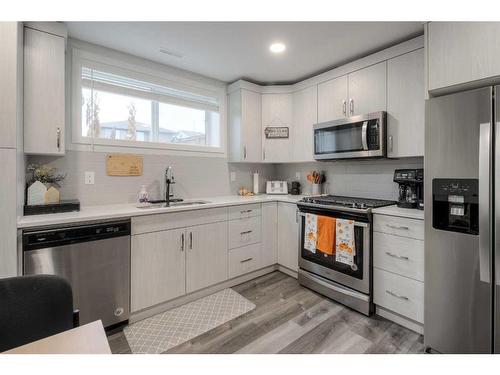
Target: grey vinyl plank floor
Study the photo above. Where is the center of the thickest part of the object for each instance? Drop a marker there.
(289, 318)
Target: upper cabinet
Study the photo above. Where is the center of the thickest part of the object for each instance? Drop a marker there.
(405, 105)
(305, 115)
(367, 90)
(360, 92)
(277, 112)
(44, 94)
(462, 53)
(245, 126)
(332, 99)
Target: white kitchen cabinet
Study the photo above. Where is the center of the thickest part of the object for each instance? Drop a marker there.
(367, 90)
(305, 115)
(406, 105)
(244, 260)
(245, 126)
(462, 52)
(332, 99)
(269, 234)
(44, 94)
(277, 112)
(158, 268)
(288, 227)
(206, 255)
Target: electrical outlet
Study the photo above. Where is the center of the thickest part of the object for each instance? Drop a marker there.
(297, 175)
(89, 178)
(233, 176)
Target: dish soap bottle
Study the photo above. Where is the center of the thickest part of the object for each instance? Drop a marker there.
(143, 200)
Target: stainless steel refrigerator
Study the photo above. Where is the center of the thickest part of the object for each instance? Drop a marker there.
(462, 222)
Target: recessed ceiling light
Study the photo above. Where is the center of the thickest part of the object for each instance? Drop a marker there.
(277, 47)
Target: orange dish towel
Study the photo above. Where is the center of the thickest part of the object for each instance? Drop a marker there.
(326, 234)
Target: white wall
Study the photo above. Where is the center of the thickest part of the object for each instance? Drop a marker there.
(357, 178)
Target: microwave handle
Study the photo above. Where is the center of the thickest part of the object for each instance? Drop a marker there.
(364, 135)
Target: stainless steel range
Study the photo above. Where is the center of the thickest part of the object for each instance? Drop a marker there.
(349, 284)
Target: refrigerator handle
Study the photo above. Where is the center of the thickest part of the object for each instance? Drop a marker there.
(484, 201)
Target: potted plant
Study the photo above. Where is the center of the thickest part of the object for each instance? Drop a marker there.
(42, 182)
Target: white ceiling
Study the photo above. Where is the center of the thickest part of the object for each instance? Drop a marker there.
(232, 50)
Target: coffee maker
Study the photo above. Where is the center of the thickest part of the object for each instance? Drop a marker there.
(411, 188)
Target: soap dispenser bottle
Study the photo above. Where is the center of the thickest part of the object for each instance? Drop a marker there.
(143, 199)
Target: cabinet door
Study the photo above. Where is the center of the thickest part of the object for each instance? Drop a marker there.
(332, 99)
(158, 266)
(43, 93)
(367, 90)
(277, 112)
(269, 234)
(288, 251)
(405, 105)
(462, 52)
(305, 115)
(206, 247)
(251, 125)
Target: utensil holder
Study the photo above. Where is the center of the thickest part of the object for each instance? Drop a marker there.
(316, 189)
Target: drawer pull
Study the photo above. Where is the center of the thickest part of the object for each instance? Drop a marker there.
(397, 226)
(397, 295)
(397, 256)
(246, 260)
(246, 232)
(245, 211)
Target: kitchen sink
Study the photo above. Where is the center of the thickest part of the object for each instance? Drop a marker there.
(176, 204)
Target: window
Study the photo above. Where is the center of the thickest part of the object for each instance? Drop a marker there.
(118, 109)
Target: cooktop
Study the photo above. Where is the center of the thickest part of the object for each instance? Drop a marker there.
(351, 202)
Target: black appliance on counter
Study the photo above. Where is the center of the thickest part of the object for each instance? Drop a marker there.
(411, 188)
(295, 190)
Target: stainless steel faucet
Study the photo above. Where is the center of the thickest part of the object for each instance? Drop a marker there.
(169, 181)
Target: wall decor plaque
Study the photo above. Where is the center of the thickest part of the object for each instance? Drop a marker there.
(124, 165)
(276, 132)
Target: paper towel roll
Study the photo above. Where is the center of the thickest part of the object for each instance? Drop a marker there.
(256, 183)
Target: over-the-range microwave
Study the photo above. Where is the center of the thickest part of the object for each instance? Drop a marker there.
(362, 136)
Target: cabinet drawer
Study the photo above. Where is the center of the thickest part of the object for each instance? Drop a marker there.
(172, 220)
(244, 231)
(401, 255)
(399, 226)
(399, 294)
(243, 211)
(244, 259)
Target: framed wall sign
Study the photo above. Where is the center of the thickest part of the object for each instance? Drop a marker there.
(276, 132)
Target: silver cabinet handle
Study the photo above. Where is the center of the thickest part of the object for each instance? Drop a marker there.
(485, 209)
(344, 107)
(396, 295)
(244, 152)
(397, 256)
(398, 226)
(245, 211)
(58, 132)
(263, 153)
(182, 242)
(190, 240)
(351, 106)
(246, 232)
(391, 144)
(246, 260)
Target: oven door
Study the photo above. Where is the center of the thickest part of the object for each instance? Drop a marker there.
(355, 137)
(356, 276)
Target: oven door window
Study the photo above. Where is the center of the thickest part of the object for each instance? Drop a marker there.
(355, 270)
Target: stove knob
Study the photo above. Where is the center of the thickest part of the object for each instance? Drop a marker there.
(362, 205)
(354, 205)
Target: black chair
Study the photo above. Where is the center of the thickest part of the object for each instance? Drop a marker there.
(34, 307)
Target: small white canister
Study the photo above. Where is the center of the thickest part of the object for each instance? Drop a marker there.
(256, 183)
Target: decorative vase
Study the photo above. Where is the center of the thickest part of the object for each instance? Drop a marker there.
(36, 193)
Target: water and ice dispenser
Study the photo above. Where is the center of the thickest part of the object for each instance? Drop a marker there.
(455, 205)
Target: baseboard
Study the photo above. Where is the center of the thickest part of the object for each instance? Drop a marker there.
(158, 309)
(399, 319)
(287, 271)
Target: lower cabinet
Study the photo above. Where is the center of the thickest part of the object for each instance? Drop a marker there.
(288, 232)
(269, 250)
(206, 255)
(158, 268)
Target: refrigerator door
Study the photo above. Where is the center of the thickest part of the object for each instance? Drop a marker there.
(496, 311)
(458, 304)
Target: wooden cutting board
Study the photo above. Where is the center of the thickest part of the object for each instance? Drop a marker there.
(124, 165)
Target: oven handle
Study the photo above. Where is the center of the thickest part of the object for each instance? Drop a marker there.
(364, 134)
(356, 223)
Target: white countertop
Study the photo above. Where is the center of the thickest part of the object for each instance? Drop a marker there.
(117, 211)
(411, 213)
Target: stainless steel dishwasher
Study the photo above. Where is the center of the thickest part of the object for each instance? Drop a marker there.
(94, 258)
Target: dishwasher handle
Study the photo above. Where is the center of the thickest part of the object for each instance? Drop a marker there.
(53, 237)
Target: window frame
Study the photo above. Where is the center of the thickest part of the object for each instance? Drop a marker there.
(81, 58)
